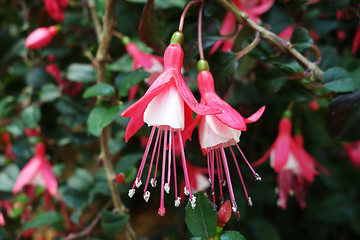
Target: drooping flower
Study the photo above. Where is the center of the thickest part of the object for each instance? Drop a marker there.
(218, 131)
(296, 169)
(353, 152)
(37, 171)
(166, 106)
(150, 63)
(55, 8)
(41, 37)
(5, 137)
(7, 206)
(254, 9)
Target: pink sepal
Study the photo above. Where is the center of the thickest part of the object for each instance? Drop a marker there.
(27, 173)
(49, 177)
(255, 116)
(135, 123)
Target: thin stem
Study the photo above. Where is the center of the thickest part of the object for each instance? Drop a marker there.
(118, 35)
(271, 37)
(182, 18)
(95, 19)
(251, 46)
(87, 230)
(201, 51)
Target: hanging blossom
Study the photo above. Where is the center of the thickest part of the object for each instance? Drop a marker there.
(37, 172)
(219, 131)
(7, 206)
(5, 137)
(353, 152)
(150, 63)
(55, 9)
(254, 9)
(166, 106)
(41, 37)
(295, 167)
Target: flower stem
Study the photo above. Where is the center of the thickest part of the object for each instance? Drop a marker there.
(181, 24)
(251, 46)
(201, 51)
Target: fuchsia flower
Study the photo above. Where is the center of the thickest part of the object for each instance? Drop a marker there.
(5, 137)
(295, 167)
(55, 8)
(37, 171)
(219, 131)
(41, 37)
(167, 106)
(7, 206)
(254, 9)
(353, 152)
(150, 63)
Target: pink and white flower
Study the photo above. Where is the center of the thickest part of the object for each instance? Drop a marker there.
(37, 172)
(41, 37)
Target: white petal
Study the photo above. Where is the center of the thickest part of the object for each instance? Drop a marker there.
(213, 132)
(167, 108)
(291, 163)
(202, 182)
(37, 180)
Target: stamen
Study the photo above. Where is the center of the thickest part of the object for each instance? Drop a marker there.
(234, 206)
(146, 196)
(186, 191)
(167, 188)
(227, 173)
(174, 166)
(162, 208)
(186, 176)
(131, 193)
(177, 201)
(250, 202)
(153, 184)
(193, 201)
(169, 162)
(138, 182)
(257, 176)
(151, 162)
(219, 175)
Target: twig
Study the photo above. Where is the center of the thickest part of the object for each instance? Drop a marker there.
(95, 19)
(251, 46)
(271, 37)
(101, 55)
(87, 230)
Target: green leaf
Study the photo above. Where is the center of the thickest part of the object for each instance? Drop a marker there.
(201, 221)
(232, 235)
(7, 104)
(31, 116)
(125, 81)
(49, 92)
(337, 79)
(149, 30)
(100, 89)
(19, 205)
(81, 180)
(43, 219)
(127, 161)
(100, 8)
(100, 117)
(112, 223)
(263, 229)
(123, 64)
(301, 39)
(80, 72)
(8, 177)
(343, 116)
(38, 77)
(73, 198)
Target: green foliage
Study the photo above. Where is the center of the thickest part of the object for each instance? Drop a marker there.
(43, 219)
(112, 223)
(100, 117)
(100, 89)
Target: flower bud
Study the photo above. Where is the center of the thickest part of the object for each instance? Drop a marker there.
(41, 37)
(120, 178)
(313, 105)
(224, 214)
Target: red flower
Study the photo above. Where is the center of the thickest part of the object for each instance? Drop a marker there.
(8, 209)
(219, 131)
(353, 152)
(41, 37)
(5, 137)
(167, 106)
(295, 167)
(37, 171)
(55, 8)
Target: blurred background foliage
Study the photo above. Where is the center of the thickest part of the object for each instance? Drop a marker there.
(70, 124)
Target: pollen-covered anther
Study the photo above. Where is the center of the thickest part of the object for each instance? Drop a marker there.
(291, 192)
(167, 188)
(146, 196)
(193, 202)
(257, 177)
(186, 191)
(234, 206)
(131, 193)
(138, 182)
(177, 201)
(153, 182)
(223, 183)
(210, 181)
(276, 190)
(250, 202)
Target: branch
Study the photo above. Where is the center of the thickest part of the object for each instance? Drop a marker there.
(95, 19)
(271, 37)
(101, 56)
(87, 230)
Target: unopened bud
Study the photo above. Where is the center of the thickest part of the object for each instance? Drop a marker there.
(224, 214)
(120, 178)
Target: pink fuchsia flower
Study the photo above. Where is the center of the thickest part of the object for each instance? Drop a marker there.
(295, 167)
(7, 206)
(55, 8)
(5, 137)
(37, 171)
(287, 33)
(353, 152)
(219, 131)
(41, 37)
(166, 106)
(254, 9)
(150, 63)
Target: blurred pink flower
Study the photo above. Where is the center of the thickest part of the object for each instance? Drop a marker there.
(41, 37)
(55, 8)
(37, 171)
(353, 152)
(7, 206)
(5, 137)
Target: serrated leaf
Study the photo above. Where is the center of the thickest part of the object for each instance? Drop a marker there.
(232, 235)
(31, 116)
(337, 79)
(125, 81)
(343, 116)
(43, 219)
(301, 39)
(149, 30)
(112, 223)
(201, 221)
(49, 92)
(81, 72)
(100, 117)
(100, 89)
